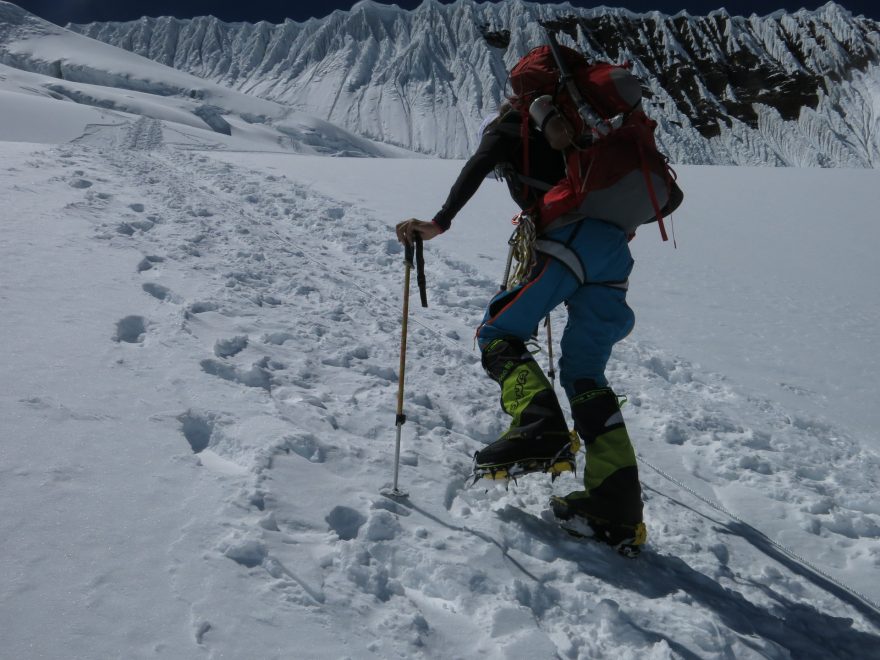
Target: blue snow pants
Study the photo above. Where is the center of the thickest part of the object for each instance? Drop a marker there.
(598, 316)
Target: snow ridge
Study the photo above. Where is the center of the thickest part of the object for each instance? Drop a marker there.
(786, 89)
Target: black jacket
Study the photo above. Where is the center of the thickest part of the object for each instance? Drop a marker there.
(501, 147)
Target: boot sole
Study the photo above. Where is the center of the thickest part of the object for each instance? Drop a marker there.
(629, 547)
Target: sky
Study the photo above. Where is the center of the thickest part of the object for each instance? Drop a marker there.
(84, 11)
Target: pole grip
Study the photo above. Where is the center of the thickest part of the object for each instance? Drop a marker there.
(420, 271)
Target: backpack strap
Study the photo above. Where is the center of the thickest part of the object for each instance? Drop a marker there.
(524, 137)
(537, 184)
(651, 192)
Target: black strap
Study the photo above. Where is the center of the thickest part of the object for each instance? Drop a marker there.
(419, 263)
(420, 271)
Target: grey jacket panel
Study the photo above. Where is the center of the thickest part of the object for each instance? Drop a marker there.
(627, 204)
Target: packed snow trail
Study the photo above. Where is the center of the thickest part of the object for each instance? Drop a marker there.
(270, 313)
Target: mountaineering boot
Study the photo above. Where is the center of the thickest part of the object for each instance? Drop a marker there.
(611, 503)
(538, 437)
(577, 518)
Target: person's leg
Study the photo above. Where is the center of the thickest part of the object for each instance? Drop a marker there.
(538, 430)
(598, 318)
(517, 311)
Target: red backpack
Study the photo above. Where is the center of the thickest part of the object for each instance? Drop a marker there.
(615, 171)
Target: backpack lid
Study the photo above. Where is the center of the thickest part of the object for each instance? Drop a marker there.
(537, 73)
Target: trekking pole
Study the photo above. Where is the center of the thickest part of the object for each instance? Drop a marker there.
(552, 370)
(511, 242)
(395, 491)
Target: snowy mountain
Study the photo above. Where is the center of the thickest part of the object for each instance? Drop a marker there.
(42, 64)
(201, 335)
(798, 89)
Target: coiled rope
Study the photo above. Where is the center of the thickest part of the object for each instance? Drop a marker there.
(522, 245)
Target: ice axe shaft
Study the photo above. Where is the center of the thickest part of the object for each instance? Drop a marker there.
(585, 110)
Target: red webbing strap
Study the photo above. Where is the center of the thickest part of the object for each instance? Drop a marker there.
(670, 175)
(652, 193)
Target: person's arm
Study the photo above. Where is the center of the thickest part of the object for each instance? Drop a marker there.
(491, 151)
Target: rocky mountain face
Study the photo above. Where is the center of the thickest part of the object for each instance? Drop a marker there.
(800, 89)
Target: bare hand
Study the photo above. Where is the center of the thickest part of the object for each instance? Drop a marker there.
(407, 230)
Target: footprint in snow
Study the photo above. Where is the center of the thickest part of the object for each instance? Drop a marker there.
(257, 376)
(131, 329)
(148, 262)
(197, 429)
(346, 522)
(144, 225)
(81, 184)
(307, 447)
(129, 228)
(202, 307)
(224, 348)
(159, 292)
(277, 338)
(202, 629)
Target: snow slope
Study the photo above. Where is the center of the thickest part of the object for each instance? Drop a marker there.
(42, 64)
(198, 390)
(198, 402)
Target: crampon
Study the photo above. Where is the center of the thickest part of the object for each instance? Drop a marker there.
(628, 540)
(563, 461)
